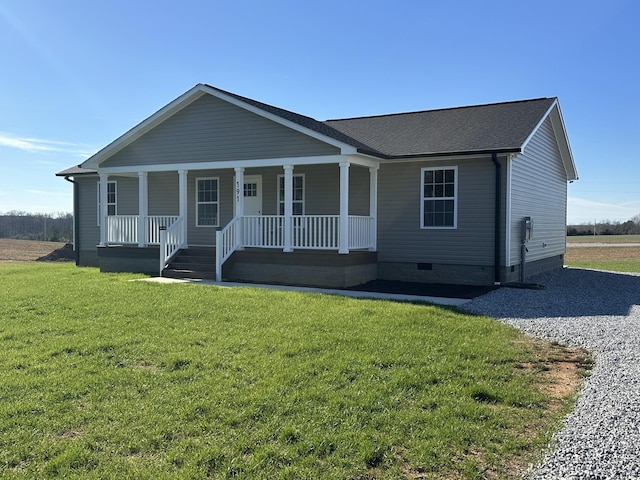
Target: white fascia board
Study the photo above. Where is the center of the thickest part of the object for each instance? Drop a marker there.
(143, 127)
(363, 161)
(257, 163)
(345, 149)
(563, 142)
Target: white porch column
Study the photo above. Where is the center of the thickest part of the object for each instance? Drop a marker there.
(182, 202)
(239, 191)
(288, 207)
(343, 232)
(103, 208)
(143, 208)
(373, 206)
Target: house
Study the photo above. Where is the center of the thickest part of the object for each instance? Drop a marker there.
(216, 184)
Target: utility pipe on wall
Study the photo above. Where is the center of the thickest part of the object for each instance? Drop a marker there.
(496, 240)
(76, 218)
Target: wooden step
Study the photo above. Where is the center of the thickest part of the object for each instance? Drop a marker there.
(197, 263)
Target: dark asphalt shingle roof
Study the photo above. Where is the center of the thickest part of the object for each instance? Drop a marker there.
(498, 126)
(75, 171)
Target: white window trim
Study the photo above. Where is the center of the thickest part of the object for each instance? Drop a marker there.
(454, 198)
(217, 203)
(304, 193)
(115, 204)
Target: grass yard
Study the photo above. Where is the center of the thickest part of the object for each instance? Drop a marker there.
(615, 259)
(101, 377)
(603, 239)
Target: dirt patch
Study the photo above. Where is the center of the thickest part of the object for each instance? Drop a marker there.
(62, 254)
(12, 250)
(561, 371)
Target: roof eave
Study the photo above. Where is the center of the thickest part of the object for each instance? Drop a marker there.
(461, 153)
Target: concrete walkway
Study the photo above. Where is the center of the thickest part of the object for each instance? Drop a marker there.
(455, 302)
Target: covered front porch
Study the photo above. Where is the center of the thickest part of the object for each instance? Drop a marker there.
(295, 222)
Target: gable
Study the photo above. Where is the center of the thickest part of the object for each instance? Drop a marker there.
(210, 130)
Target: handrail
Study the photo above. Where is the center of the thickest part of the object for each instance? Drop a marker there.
(171, 240)
(226, 244)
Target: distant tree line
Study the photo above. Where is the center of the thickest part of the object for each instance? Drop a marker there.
(630, 227)
(56, 227)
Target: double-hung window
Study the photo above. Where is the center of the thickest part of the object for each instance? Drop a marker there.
(439, 193)
(207, 205)
(298, 195)
(112, 200)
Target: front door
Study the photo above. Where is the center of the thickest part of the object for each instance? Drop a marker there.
(253, 195)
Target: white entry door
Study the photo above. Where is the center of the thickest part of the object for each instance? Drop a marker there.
(252, 195)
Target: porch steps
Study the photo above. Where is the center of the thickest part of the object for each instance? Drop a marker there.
(194, 262)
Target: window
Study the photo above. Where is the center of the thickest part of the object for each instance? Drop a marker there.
(439, 188)
(112, 200)
(298, 194)
(250, 189)
(207, 211)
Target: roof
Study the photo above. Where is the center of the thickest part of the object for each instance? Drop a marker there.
(491, 128)
(500, 127)
(75, 171)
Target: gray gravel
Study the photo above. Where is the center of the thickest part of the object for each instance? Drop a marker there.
(599, 311)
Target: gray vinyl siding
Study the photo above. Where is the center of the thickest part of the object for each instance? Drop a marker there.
(126, 195)
(207, 235)
(163, 193)
(539, 190)
(210, 130)
(400, 238)
(89, 232)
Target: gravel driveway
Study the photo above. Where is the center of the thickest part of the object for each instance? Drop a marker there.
(599, 311)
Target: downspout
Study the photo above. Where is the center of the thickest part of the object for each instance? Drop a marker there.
(76, 217)
(496, 240)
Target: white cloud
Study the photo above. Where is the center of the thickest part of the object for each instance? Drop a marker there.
(45, 192)
(582, 210)
(34, 145)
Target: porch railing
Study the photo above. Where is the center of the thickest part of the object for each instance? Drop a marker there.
(153, 224)
(311, 232)
(171, 240)
(263, 231)
(123, 229)
(316, 232)
(361, 234)
(226, 244)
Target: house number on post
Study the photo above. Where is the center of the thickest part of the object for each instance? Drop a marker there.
(237, 192)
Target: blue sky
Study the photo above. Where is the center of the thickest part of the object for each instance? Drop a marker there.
(76, 74)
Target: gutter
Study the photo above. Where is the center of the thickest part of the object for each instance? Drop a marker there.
(462, 153)
(496, 240)
(76, 217)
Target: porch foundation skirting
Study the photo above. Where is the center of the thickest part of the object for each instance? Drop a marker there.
(310, 268)
(125, 258)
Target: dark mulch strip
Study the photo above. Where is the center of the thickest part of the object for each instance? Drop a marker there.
(423, 289)
(62, 254)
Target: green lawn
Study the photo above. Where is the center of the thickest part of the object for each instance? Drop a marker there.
(101, 377)
(603, 239)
